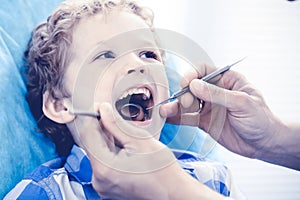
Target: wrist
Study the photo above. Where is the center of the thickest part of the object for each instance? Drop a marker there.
(184, 186)
(283, 146)
(290, 149)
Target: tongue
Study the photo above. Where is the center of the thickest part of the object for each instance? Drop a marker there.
(137, 99)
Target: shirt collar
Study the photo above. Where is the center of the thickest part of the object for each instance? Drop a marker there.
(78, 165)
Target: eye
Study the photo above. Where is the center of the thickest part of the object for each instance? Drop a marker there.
(150, 55)
(106, 55)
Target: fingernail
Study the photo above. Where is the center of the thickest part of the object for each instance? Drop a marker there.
(187, 100)
(162, 111)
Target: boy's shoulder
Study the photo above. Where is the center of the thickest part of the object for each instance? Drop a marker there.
(40, 183)
(215, 175)
(56, 178)
(196, 162)
(47, 169)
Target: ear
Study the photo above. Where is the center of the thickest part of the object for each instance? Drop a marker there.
(57, 110)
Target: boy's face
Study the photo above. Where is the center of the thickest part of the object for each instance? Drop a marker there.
(114, 58)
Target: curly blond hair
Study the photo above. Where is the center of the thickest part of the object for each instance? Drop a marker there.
(47, 56)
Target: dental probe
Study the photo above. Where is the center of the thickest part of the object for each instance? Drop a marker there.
(205, 78)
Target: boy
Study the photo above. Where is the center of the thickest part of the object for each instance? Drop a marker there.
(105, 53)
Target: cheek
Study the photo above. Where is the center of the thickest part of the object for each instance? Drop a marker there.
(161, 81)
(93, 84)
(103, 91)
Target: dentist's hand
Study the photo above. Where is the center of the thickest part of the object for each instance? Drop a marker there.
(235, 114)
(134, 165)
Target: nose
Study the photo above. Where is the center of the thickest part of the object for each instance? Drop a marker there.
(133, 64)
(141, 70)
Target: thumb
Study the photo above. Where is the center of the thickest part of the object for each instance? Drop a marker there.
(211, 93)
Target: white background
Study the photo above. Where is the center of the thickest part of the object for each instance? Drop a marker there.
(268, 33)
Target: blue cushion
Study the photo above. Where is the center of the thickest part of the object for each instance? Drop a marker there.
(21, 148)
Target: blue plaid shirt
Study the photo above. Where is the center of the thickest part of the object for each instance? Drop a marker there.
(70, 178)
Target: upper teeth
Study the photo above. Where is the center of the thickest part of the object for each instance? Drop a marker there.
(132, 91)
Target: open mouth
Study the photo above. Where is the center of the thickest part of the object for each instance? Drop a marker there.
(133, 104)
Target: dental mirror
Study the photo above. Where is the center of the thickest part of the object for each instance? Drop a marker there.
(129, 111)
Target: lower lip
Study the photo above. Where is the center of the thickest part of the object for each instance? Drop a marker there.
(142, 123)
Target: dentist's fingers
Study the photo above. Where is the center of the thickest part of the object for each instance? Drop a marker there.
(172, 112)
(211, 93)
(109, 123)
(93, 139)
(230, 90)
(187, 99)
(202, 70)
(169, 109)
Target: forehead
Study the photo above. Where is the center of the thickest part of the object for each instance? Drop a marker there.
(116, 30)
